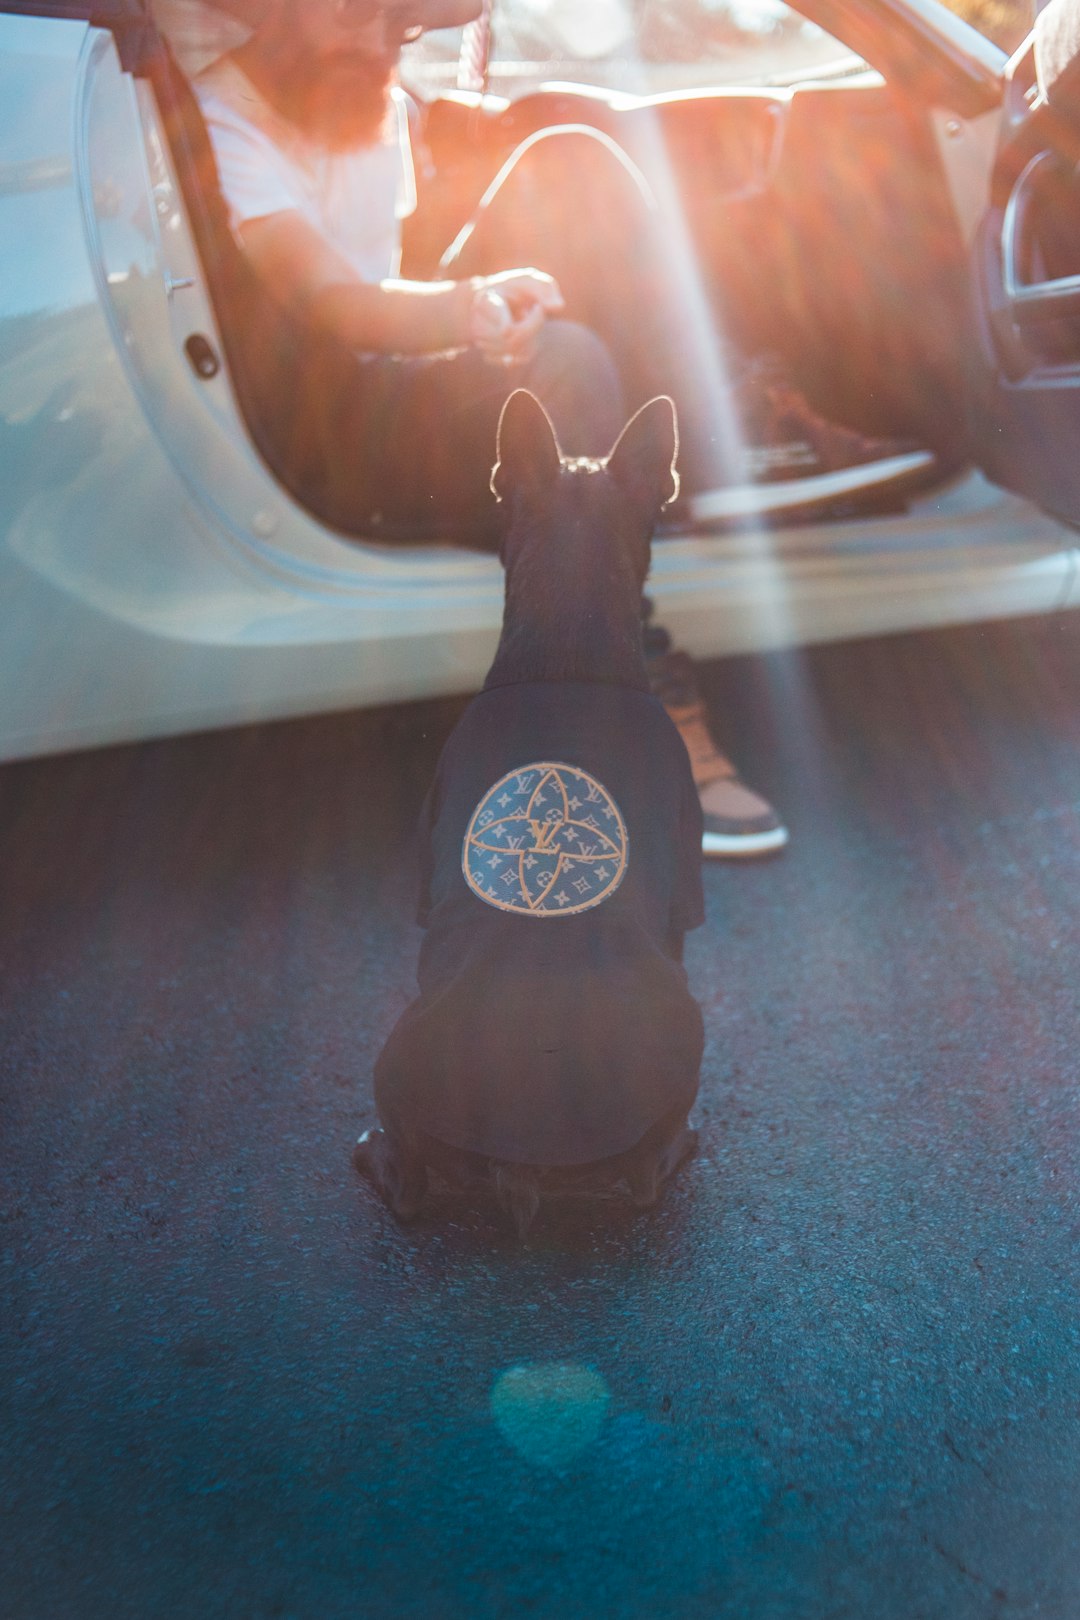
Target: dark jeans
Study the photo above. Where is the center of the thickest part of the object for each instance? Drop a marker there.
(428, 426)
(573, 204)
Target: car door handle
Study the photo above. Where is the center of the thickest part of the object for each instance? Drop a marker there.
(1032, 302)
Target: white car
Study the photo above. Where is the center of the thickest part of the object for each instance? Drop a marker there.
(910, 199)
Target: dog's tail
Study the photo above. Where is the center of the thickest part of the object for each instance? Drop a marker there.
(517, 1187)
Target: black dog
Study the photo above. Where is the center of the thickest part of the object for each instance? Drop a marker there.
(555, 1044)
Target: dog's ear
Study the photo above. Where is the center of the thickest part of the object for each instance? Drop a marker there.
(527, 457)
(644, 456)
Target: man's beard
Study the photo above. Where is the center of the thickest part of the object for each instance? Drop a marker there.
(339, 101)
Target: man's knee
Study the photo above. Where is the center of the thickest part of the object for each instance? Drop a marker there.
(577, 381)
(568, 349)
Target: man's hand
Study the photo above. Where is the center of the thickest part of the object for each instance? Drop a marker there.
(508, 311)
(526, 290)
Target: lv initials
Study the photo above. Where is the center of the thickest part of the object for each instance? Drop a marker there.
(543, 833)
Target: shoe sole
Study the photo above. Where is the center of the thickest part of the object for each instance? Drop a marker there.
(750, 500)
(744, 844)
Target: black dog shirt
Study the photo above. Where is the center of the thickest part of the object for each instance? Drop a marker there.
(560, 868)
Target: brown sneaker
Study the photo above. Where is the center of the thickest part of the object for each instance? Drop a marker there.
(738, 822)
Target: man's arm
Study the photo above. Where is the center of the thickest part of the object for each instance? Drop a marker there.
(308, 274)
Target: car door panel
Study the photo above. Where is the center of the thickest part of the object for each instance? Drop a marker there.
(1025, 372)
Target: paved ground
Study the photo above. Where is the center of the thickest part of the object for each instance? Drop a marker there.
(838, 1375)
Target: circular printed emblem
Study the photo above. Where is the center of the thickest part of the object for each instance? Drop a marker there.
(546, 841)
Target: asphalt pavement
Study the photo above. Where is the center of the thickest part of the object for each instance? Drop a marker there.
(836, 1377)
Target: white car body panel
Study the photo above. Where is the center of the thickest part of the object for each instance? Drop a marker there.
(156, 579)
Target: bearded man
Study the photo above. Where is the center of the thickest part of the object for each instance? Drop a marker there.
(310, 133)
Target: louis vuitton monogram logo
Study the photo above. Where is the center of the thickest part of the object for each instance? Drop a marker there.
(544, 833)
(538, 825)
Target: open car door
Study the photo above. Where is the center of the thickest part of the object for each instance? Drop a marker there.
(1025, 382)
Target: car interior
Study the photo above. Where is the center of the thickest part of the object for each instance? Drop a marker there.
(824, 229)
(819, 216)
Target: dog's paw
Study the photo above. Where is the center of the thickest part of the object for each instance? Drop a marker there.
(402, 1187)
(643, 1183)
(648, 1177)
(682, 1148)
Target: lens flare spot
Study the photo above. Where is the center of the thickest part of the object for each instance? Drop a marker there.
(550, 1411)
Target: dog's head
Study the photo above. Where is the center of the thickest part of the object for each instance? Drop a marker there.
(616, 498)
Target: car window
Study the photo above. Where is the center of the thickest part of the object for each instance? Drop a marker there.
(1006, 22)
(641, 46)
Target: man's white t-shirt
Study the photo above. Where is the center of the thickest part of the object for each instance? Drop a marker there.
(356, 200)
